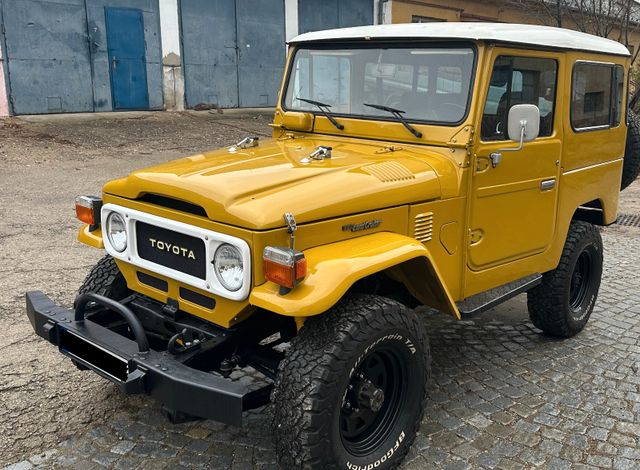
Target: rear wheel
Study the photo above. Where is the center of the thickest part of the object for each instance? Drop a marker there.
(350, 392)
(631, 165)
(562, 304)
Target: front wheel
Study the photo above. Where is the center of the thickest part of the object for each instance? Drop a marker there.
(350, 392)
(562, 304)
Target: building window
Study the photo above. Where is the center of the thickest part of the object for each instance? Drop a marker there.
(425, 19)
(519, 80)
(596, 95)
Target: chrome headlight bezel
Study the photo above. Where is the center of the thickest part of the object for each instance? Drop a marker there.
(119, 244)
(231, 251)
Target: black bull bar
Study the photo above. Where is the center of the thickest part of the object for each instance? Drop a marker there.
(133, 366)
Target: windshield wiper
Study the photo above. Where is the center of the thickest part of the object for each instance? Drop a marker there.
(398, 114)
(324, 109)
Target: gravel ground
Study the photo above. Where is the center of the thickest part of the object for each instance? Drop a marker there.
(503, 395)
(44, 166)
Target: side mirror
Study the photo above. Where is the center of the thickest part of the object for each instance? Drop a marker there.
(523, 123)
(294, 120)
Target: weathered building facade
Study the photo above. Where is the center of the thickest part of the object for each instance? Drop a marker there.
(60, 56)
(81, 55)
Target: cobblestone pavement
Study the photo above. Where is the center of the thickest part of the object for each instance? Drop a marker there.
(503, 395)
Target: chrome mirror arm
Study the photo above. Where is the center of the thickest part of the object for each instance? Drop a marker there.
(496, 157)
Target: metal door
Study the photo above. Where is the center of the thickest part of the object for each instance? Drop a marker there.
(126, 53)
(47, 56)
(514, 199)
(261, 54)
(315, 15)
(209, 53)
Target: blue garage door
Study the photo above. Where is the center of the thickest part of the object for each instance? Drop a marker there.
(126, 52)
(233, 52)
(261, 53)
(49, 68)
(315, 15)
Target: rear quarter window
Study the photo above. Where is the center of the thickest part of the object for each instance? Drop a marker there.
(596, 95)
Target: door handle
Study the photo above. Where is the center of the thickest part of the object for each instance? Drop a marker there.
(546, 185)
(114, 62)
(484, 163)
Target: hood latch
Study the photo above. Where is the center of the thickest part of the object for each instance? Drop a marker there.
(321, 153)
(245, 143)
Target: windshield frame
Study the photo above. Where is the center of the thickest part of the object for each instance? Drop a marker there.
(359, 44)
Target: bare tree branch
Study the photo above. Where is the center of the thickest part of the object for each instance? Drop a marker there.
(615, 19)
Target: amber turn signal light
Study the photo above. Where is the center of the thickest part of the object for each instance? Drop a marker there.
(88, 209)
(284, 266)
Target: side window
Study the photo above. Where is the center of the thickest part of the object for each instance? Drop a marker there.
(618, 81)
(519, 80)
(596, 95)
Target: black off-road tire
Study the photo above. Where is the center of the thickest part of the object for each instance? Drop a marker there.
(105, 279)
(312, 399)
(562, 304)
(631, 165)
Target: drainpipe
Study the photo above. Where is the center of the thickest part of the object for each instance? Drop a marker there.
(381, 10)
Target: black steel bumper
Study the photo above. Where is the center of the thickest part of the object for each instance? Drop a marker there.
(135, 367)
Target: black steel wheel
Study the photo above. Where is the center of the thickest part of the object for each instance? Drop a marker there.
(375, 395)
(562, 304)
(350, 392)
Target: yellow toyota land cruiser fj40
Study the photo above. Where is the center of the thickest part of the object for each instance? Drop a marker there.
(450, 165)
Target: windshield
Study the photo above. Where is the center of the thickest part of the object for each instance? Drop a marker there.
(426, 83)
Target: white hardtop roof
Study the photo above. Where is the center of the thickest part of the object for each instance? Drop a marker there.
(539, 36)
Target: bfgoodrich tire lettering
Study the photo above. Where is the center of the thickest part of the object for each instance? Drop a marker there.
(562, 304)
(336, 400)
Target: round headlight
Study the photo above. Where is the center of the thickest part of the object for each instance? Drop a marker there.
(227, 263)
(117, 232)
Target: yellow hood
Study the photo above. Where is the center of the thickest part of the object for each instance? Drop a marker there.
(253, 187)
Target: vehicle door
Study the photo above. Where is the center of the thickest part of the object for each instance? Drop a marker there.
(514, 195)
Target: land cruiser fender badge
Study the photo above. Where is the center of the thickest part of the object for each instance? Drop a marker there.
(245, 143)
(363, 226)
(292, 226)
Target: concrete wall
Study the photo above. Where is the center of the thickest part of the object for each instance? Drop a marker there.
(172, 72)
(4, 102)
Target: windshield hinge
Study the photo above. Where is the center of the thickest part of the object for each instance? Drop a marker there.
(463, 139)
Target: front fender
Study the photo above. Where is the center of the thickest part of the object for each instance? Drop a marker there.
(93, 238)
(334, 268)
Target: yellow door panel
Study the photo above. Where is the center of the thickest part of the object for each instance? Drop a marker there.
(512, 210)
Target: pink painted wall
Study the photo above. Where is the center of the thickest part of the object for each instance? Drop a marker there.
(4, 105)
